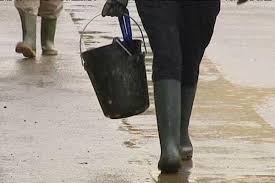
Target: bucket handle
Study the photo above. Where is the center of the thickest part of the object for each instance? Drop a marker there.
(81, 35)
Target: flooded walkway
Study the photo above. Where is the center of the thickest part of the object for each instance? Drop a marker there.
(53, 131)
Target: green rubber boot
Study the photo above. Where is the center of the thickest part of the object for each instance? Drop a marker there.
(167, 102)
(28, 46)
(48, 27)
(187, 99)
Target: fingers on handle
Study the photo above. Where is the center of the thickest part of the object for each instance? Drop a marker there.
(241, 1)
(113, 10)
(106, 10)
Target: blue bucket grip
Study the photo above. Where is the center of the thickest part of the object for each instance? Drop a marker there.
(125, 26)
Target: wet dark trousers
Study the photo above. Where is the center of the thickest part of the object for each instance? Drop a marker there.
(178, 33)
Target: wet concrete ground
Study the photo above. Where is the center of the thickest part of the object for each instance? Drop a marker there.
(52, 129)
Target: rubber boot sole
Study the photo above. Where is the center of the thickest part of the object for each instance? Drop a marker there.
(186, 153)
(170, 162)
(169, 166)
(49, 52)
(26, 50)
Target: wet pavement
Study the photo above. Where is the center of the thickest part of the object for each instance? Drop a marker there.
(52, 129)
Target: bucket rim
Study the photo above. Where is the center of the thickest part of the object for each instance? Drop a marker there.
(105, 46)
(85, 27)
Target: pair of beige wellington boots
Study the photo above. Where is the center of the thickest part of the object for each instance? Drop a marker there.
(28, 46)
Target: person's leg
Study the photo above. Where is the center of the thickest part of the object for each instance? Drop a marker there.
(49, 11)
(160, 22)
(28, 10)
(198, 20)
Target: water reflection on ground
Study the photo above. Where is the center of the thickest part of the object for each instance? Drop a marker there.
(183, 176)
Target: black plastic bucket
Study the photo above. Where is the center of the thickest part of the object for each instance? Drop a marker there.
(118, 77)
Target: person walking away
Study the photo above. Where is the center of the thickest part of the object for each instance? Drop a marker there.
(179, 32)
(28, 10)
